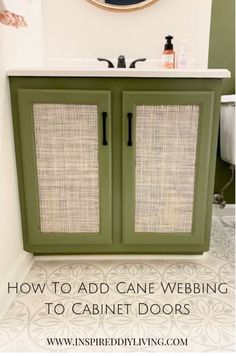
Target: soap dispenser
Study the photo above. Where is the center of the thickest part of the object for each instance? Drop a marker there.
(183, 61)
(168, 55)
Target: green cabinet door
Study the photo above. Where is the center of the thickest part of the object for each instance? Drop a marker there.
(166, 158)
(65, 142)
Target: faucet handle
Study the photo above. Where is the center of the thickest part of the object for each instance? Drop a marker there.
(110, 64)
(132, 65)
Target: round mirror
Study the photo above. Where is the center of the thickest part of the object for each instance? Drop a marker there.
(122, 5)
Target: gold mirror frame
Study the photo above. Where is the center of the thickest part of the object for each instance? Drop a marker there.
(123, 8)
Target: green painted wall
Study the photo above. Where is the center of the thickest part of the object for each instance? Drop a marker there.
(222, 55)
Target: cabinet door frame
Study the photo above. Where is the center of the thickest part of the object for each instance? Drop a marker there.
(26, 99)
(205, 101)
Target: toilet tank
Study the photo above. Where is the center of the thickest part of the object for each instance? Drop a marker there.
(227, 128)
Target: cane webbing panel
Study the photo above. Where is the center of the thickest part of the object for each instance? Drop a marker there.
(66, 139)
(166, 140)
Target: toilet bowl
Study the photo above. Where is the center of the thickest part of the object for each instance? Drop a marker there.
(227, 129)
(227, 142)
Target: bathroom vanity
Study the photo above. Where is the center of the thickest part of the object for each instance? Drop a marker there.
(116, 161)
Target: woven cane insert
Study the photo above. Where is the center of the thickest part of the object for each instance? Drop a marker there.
(66, 139)
(166, 140)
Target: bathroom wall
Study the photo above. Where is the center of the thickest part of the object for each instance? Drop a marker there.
(87, 31)
(75, 28)
(222, 55)
(18, 47)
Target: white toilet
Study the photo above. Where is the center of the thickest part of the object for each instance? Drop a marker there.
(227, 129)
(227, 142)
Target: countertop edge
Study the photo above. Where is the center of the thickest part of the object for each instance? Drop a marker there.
(122, 73)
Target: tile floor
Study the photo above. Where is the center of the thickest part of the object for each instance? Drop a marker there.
(209, 327)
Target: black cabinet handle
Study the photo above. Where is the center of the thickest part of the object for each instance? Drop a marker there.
(104, 129)
(129, 115)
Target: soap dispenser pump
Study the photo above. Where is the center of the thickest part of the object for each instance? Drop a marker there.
(168, 55)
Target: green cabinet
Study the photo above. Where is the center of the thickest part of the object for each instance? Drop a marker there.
(115, 165)
(66, 160)
(165, 168)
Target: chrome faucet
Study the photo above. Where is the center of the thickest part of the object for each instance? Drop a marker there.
(121, 63)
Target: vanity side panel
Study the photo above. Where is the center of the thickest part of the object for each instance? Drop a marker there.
(212, 165)
(19, 163)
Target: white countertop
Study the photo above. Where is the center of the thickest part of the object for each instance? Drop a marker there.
(118, 72)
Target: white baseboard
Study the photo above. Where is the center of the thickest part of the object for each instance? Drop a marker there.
(19, 270)
(113, 257)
